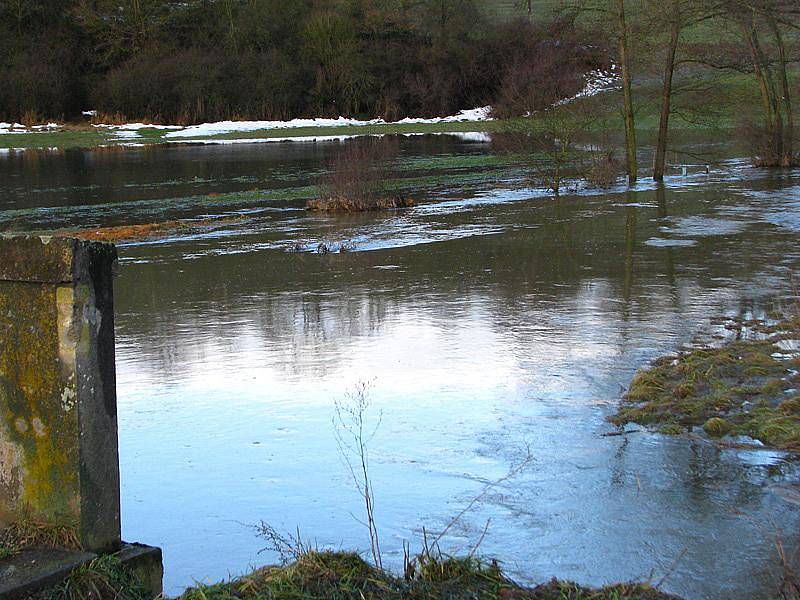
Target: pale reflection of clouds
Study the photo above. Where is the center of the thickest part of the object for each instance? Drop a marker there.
(526, 332)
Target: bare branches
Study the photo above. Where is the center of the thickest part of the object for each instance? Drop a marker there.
(353, 434)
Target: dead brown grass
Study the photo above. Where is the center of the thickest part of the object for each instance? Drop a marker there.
(142, 231)
(36, 534)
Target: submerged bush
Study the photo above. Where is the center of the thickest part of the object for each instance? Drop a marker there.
(358, 179)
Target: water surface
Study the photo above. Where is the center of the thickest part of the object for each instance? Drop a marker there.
(492, 322)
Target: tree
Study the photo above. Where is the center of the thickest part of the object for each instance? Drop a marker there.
(120, 28)
(616, 11)
(343, 79)
(761, 23)
(561, 135)
(674, 16)
(18, 11)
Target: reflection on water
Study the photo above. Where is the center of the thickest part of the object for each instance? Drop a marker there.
(487, 324)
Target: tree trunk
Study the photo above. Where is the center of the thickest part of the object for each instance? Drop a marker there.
(788, 131)
(630, 129)
(769, 100)
(659, 163)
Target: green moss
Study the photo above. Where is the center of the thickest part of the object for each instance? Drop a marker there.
(739, 388)
(31, 414)
(671, 429)
(717, 426)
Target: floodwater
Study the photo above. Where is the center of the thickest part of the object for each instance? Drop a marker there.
(496, 327)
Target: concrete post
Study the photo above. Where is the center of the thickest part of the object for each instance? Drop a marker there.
(58, 409)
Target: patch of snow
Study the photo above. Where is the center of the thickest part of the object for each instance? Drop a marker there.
(597, 81)
(127, 134)
(89, 113)
(473, 115)
(223, 127)
(48, 127)
(135, 126)
(10, 128)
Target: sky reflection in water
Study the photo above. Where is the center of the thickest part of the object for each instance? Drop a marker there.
(485, 324)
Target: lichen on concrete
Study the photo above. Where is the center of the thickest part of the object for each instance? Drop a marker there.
(57, 390)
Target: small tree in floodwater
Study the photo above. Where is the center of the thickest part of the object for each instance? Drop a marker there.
(557, 144)
(358, 178)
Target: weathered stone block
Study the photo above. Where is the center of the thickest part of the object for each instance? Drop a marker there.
(36, 570)
(58, 423)
(146, 564)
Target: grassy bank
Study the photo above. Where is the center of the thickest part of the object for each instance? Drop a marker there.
(346, 576)
(312, 575)
(722, 101)
(326, 575)
(747, 387)
(86, 136)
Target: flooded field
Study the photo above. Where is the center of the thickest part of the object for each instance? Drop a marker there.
(491, 320)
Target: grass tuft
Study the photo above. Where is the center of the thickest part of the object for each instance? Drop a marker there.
(740, 388)
(353, 205)
(28, 533)
(104, 578)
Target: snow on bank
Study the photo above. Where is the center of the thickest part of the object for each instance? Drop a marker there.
(136, 127)
(130, 131)
(474, 137)
(224, 127)
(9, 128)
(17, 128)
(597, 81)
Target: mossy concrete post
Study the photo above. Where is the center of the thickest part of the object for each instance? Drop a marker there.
(59, 458)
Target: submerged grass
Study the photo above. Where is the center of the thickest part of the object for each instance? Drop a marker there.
(348, 205)
(147, 230)
(746, 387)
(346, 576)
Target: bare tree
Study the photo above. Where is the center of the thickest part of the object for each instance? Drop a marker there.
(616, 12)
(676, 16)
(761, 23)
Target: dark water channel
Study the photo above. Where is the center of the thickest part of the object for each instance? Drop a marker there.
(487, 319)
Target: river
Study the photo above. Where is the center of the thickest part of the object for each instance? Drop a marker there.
(495, 327)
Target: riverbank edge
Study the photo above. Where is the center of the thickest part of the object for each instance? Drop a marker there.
(346, 575)
(87, 136)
